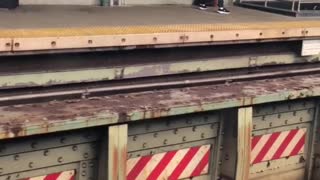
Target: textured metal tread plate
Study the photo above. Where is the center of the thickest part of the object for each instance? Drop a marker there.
(153, 29)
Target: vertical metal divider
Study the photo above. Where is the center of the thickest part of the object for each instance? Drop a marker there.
(312, 139)
(216, 154)
(103, 155)
(117, 152)
(244, 143)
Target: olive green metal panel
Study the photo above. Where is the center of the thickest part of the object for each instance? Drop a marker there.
(282, 128)
(53, 153)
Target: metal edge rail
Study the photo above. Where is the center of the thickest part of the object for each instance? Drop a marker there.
(191, 82)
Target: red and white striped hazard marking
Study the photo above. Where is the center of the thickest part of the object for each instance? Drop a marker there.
(278, 145)
(66, 175)
(171, 165)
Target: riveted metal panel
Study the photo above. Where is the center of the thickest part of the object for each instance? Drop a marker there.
(44, 158)
(282, 107)
(172, 137)
(173, 122)
(280, 137)
(40, 172)
(283, 119)
(155, 141)
(39, 156)
(50, 141)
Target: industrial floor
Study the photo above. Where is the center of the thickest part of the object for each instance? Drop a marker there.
(33, 28)
(85, 16)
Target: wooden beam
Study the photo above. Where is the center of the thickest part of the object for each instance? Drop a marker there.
(244, 143)
(117, 152)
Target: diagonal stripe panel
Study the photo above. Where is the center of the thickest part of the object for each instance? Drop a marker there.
(278, 145)
(172, 165)
(65, 175)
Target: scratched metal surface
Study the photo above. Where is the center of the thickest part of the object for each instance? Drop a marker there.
(24, 120)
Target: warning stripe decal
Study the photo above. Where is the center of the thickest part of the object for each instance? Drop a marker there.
(173, 165)
(277, 145)
(66, 175)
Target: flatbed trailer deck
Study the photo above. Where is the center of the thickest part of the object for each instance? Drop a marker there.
(43, 28)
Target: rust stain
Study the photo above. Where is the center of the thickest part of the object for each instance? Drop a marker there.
(152, 104)
(115, 168)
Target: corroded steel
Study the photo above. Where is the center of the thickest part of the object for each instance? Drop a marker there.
(24, 120)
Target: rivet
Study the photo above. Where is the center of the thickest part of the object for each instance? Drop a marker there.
(268, 164)
(254, 127)
(270, 124)
(91, 164)
(62, 140)
(85, 155)
(279, 116)
(123, 40)
(60, 159)
(175, 131)
(46, 152)
(53, 43)
(237, 35)
(155, 38)
(31, 164)
(16, 157)
(211, 36)
(83, 173)
(90, 41)
(202, 135)
(301, 119)
(84, 165)
(194, 128)
(155, 135)
(286, 122)
(261, 34)
(165, 142)
(74, 148)
(144, 145)
(184, 138)
(8, 44)
(283, 32)
(16, 44)
(294, 113)
(34, 145)
(134, 138)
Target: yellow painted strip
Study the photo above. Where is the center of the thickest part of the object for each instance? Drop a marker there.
(121, 30)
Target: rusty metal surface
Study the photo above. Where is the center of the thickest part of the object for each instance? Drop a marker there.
(23, 120)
